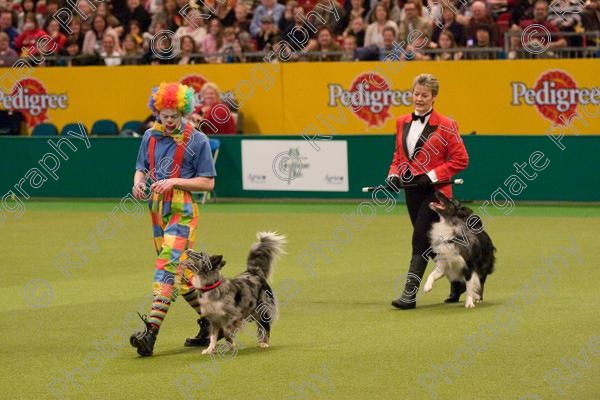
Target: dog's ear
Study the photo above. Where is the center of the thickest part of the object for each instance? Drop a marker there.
(217, 261)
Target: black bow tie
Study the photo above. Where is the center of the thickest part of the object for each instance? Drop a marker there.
(420, 117)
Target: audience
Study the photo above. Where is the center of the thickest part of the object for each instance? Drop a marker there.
(8, 56)
(374, 33)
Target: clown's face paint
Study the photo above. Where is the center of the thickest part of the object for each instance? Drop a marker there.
(170, 119)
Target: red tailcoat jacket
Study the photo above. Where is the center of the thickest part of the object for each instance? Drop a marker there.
(440, 148)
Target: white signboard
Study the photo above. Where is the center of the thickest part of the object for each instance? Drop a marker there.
(295, 165)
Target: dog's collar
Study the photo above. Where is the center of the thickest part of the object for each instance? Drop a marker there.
(210, 287)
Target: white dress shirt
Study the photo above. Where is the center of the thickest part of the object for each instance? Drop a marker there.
(414, 133)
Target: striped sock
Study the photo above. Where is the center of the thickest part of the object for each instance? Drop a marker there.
(160, 307)
(193, 299)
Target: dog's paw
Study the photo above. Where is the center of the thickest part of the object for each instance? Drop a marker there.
(263, 345)
(208, 351)
(428, 286)
(469, 303)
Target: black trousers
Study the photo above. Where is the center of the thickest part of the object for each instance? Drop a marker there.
(422, 217)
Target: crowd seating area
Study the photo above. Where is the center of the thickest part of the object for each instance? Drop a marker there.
(130, 32)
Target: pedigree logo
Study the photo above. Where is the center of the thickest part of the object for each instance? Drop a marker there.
(30, 97)
(369, 97)
(555, 95)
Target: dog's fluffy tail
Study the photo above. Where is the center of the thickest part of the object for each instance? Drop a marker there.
(264, 252)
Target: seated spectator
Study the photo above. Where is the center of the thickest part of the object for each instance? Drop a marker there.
(328, 16)
(321, 49)
(239, 20)
(227, 52)
(374, 33)
(161, 52)
(188, 52)
(515, 47)
(590, 19)
(446, 42)
(76, 31)
(387, 51)
(6, 26)
(110, 53)
(134, 11)
(449, 24)
(357, 30)
(136, 32)
(131, 51)
(72, 55)
(8, 56)
(213, 116)
(26, 42)
(59, 40)
(268, 34)
(114, 26)
(92, 42)
(416, 50)
(394, 12)
(522, 10)
(483, 37)
(193, 26)
(566, 15)
(294, 17)
(267, 8)
(480, 17)
(540, 17)
(413, 22)
(212, 41)
(350, 46)
(247, 46)
(357, 10)
(28, 7)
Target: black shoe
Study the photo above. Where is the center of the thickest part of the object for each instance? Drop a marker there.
(202, 339)
(403, 305)
(456, 289)
(144, 341)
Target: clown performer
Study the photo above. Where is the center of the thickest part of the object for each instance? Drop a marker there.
(177, 160)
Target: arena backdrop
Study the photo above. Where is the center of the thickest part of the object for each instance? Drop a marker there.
(488, 97)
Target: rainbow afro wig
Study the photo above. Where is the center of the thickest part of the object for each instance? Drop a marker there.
(172, 95)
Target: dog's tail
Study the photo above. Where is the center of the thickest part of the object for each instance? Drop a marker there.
(264, 252)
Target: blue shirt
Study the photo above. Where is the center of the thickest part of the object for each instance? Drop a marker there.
(197, 157)
(261, 11)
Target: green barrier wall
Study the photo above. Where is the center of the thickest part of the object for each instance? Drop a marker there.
(105, 169)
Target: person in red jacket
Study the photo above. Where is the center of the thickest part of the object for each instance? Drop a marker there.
(213, 116)
(428, 149)
(27, 42)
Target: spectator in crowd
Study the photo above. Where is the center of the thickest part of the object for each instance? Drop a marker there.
(357, 10)
(394, 12)
(566, 15)
(322, 48)
(540, 17)
(515, 47)
(102, 10)
(387, 47)
(76, 29)
(227, 51)
(193, 26)
(483, 40)
(115, 26)
(481, 17)
(247, 46)
(92, 42)
(413, 22)
(131, 51)
(188, 53)
(110, 53)
(449, 23)
(294, 17)
(161, 52)
(6, 26)
(135, 11)
(28, 7)
(356, 29)
(8, 56)
(446, 41)
(212, 41)
(72, 51)
(26, 42)
(335, 23)
(522, 10)
(136, 32)
(374, 33)
(59, 40)
(268, 8)
(239, 20)
(590, 18)
(416, 49)
(268, 34)
(213, 116)
(171, 15)
(349, 47)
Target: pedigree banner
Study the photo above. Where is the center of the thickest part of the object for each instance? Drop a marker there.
(487, 97)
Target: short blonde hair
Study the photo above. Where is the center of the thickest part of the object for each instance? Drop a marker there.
(210, 85)
(429, 81)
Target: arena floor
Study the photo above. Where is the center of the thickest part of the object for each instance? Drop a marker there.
(78, 275)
